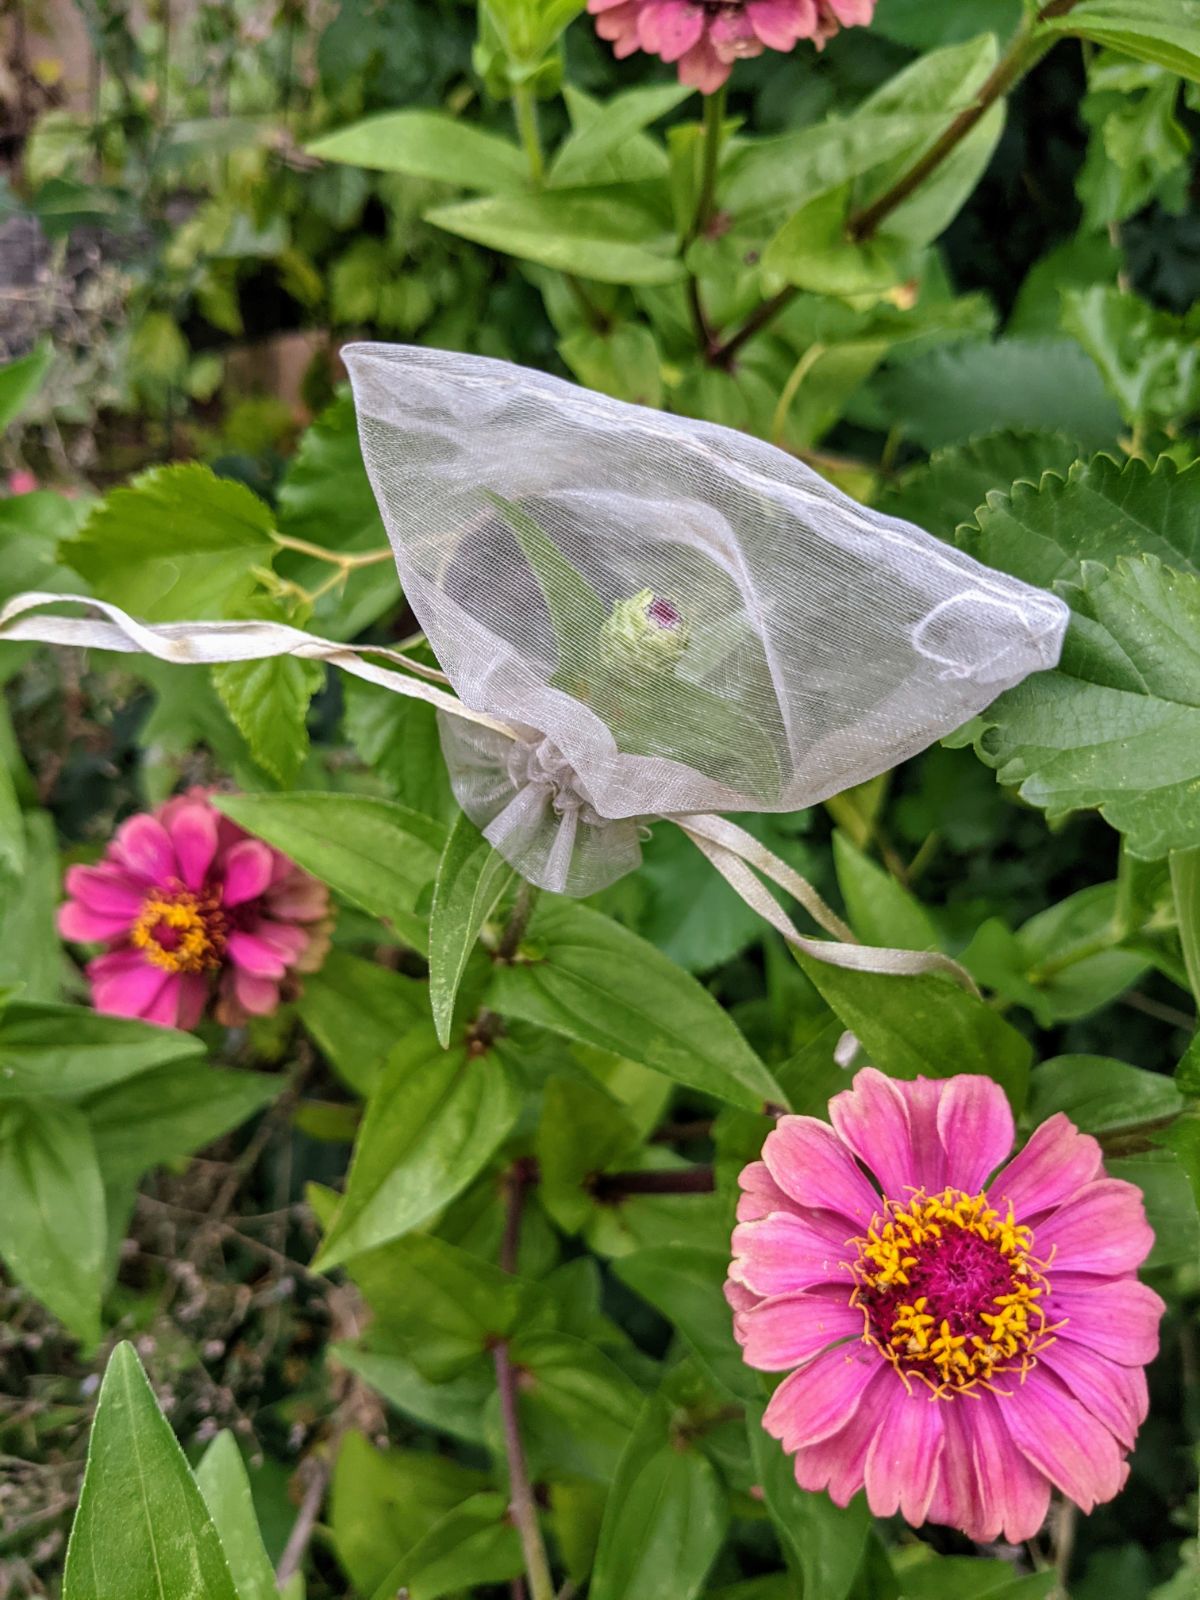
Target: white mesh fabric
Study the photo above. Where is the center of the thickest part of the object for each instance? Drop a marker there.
(674, 616)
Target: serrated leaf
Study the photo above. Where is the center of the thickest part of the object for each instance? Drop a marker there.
(178, 542)
(427, 144)
(268, 703)
(950, 487)
(583, 975)
(140, 1513)
(52, 1229)
(433, 1122)
(378, 855)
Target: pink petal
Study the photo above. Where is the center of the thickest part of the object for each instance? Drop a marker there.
(739, 1297)
(975, 1125)
(902, 1464)
(619, 24)
(288, 943)
(1056, 1162)
(779, 23)
(818, 1400)
(1062, 1439)
(596, 6)
(669, 28)
(852, 13)
(83, 926)
(254, 956)
(871, 1118)
(760, 1194)
(1102, 1230)
(164, 1008)
(809, 1162)
(245, 871)
(258, 996)
(106, 889)
(702, 68)
(128, 989)
(839, 1462)
(988, 1488)
(143, 845)
(1116, 1396)
(192, 827)
(790, 1329)
(1118, 1320)
(783, 1253)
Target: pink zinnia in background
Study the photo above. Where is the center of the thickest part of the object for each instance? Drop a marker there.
(192, 909)
(707, 38)
(958, 1342)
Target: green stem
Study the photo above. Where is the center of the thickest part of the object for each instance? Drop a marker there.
(525, 111)
(1025, 51)
(714, 128)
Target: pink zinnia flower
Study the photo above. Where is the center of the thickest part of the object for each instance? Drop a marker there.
(707, 36)
(959, 1342)
(190, 908)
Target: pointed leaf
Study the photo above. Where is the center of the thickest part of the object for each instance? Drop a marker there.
(471, 877)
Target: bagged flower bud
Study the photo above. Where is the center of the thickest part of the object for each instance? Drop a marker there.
(675, 617)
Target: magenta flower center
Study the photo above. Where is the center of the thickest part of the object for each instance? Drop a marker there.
(181, 931)
(662, 613)
(950, 1290)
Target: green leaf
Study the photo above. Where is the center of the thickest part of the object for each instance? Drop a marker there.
(1099, 1094)
(584, 156)
(356, 1011)
(21, 380)
(1185, 887)
(924, 1575)
(924, 1026)
(31, 529)
(440, 1307)
(387, 1500)
(1073, 740)
(955, 482)
(454, 1407)
(1165, 32)
(623, 361)
(433, 1122)
(471, 877)
(378, 855)
(950, 394)
(427, 144)
(268, 703)
(1149, 360)
(577, 1406)
(914, 23)
(140, 1513)
(576, 611)
(611, 240)
(475, 1544)
(52, 1232)
(881, 910)
(222, 1480)
(813, 252)
(170, 1112)
(1171, 1208)
(582, 1131)
(65, 1052)
(178, 542)
(585, 976)
(665, 1517)
(823, 1543)
(685, 1285)
(30, 952)
(398, 739)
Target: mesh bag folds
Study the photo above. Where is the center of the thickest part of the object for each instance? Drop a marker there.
(672, 617)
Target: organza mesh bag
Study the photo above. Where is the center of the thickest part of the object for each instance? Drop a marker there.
(673, 617)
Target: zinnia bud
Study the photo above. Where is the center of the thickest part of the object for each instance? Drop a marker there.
(647, 633)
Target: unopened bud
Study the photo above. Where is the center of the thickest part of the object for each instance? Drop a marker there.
(646, 632)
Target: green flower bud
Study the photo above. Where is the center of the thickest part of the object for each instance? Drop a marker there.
(646, 633)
